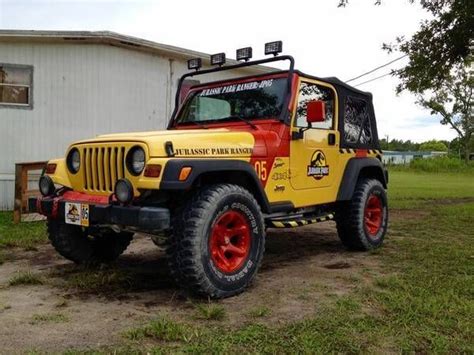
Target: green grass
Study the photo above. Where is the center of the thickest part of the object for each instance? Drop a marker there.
(24, 235)
(25, 278)
(209, 311)
(412, 190)
(421, 303)
(161, 329)
(259, 312)
(49, 318)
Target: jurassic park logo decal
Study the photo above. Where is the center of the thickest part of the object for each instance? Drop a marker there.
(318, 167)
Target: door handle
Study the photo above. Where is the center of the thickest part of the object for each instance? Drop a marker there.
(331, 139)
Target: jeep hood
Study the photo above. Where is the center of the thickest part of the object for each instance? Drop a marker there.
(207, 143)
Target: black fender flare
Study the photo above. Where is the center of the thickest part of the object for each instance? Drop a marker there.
(356, 167)
(200, 167)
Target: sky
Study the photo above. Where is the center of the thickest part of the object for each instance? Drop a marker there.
(324, 39)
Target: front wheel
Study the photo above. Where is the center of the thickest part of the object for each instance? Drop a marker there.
(76, 244)
(362, 222)
(217, 242)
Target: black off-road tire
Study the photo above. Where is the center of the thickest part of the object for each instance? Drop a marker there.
(189, 250)
(351, 217)
(74, 243)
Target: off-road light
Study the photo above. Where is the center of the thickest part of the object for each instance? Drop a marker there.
(136, 160)
(218, 59)
(273, 48)
(244, 53)
(73, 160)
(194, 63)
(46, 185)
(123, 191)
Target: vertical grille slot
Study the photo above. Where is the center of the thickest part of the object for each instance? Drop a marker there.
(85, 169)
(105, 164)
(113, 165)
(93, 169)
(100, 168)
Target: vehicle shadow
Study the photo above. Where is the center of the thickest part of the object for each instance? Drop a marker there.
(143, 268)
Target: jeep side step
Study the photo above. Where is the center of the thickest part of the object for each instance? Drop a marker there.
(298, 221)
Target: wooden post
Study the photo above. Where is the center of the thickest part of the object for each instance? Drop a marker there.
(18, 194)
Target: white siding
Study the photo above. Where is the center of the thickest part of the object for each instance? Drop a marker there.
(80, 91)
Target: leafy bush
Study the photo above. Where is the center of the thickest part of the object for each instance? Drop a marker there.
(442, 164)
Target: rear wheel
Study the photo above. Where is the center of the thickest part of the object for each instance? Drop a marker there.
(76, 244)
(217, 242)
(362, 222)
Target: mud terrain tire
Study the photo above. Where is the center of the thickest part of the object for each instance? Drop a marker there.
(362, 222)
(74, 243)
(217, 242)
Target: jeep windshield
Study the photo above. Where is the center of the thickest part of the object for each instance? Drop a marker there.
(256, 99)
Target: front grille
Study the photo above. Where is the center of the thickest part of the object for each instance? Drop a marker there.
(103, 166)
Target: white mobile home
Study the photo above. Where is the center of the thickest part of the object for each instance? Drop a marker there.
(57, 87)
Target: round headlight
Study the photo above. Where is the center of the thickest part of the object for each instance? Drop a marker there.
(136, 160)
(46, 185)
(124, 191)
(74, 161)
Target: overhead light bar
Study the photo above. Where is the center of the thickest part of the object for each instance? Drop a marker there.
(194, 63)
(218, 59)
(273, 48)
(244, 53)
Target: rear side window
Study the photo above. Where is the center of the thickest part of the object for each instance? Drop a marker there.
(357, 128)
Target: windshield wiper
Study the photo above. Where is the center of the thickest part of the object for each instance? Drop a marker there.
(233, 117)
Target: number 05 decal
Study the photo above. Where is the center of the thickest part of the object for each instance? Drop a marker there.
(261, 170)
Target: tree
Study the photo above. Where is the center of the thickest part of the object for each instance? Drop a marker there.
(433, 146)
(439, 63)
(452, 100)
(438, 47)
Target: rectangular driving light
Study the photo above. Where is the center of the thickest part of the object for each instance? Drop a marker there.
(218, 59)
(273, 48)
(244, 53)
(194, 63)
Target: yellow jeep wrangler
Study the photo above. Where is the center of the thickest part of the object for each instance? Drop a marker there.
(278, 150)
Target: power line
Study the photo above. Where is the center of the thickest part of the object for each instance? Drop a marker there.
(376, 78)
(375, 69)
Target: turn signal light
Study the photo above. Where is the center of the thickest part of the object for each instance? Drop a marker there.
(153, 170)
(184, 173)
(50, 168)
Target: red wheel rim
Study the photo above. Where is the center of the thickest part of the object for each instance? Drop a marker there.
(373, 215)
(229, 243)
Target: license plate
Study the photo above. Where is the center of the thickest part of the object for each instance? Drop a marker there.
(76, 213)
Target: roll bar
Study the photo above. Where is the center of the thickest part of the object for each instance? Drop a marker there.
(284, 113)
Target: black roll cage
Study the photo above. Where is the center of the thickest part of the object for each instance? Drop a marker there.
(284, 113)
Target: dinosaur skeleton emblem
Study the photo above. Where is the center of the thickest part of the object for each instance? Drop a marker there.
(318, 167)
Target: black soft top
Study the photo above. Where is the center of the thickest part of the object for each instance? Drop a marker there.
(344, 91)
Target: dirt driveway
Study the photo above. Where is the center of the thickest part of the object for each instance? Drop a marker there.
(76, 308)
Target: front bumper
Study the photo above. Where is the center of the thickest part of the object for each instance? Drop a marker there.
(146, 218)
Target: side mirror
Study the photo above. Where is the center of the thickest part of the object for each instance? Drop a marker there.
(315, 111)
